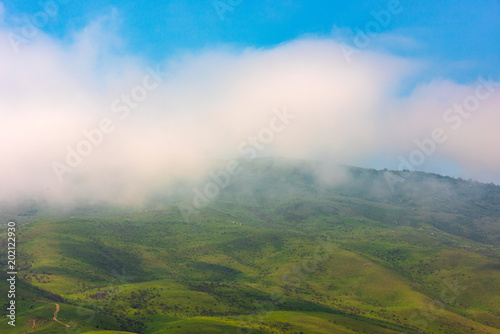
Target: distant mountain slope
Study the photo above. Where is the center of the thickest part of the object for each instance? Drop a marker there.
(465, 208)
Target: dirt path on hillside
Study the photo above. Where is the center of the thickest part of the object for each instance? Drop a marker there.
(55, 313)
(32, 325)
(55, 316)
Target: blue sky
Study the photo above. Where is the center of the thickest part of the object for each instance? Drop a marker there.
(448, 32)
(168, 87)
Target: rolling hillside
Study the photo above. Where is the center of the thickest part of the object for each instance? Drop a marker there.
(279, 250)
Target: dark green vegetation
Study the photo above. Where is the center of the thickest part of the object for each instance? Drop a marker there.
(419, 253)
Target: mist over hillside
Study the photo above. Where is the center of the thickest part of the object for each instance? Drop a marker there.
(466, 208)
(257, 167)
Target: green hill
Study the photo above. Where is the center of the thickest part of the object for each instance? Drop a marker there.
(279, 250)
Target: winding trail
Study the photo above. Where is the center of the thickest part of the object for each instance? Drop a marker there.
(55, 316)
(32, 329)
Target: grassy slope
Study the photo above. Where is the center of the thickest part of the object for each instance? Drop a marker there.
(207, 273)
(388, 268)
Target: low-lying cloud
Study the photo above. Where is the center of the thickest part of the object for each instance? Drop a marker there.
(142, 126)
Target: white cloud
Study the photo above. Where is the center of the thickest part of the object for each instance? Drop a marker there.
(208, 105)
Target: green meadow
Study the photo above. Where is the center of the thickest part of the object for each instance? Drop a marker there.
(301, 257)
